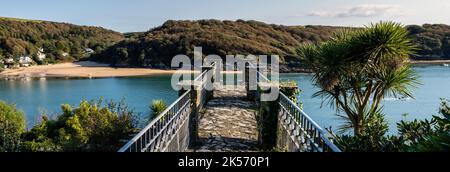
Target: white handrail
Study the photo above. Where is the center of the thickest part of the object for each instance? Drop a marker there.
(152, 123)
(322, 132)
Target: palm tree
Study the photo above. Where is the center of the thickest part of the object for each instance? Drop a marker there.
(356, 69)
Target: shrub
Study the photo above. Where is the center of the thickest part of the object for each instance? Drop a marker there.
(291, 90)
(93, 126)
(429, 136)
(414, 136)
(372, 139)
(12, 125)
(157, 107)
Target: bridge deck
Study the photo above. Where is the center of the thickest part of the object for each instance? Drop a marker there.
(228, 123)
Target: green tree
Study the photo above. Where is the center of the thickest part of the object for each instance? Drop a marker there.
(12, 125)
(428, 135)
(357, 69)
(157, 107)
(141, 58)
(26, 38)
(93, 126)
(291, 90)
(413, 136)
(372, 139)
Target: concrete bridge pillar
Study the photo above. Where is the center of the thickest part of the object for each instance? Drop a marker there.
(195, 95)
(268, 117)
(251, 81)
(269, 124)
(209, 85)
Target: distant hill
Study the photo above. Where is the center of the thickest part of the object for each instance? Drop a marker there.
(59, 41)
(156, 47)
(433, 41)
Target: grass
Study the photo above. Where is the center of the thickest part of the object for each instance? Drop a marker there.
(20, 20)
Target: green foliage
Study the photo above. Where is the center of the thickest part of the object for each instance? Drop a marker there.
(38, 139)
(429, 136)
(291, 90)
(357, 69)
(414, 136)
(372, 139)
(161, 44)
(157, 107)
(25, 37)
(432, 40)
(415, 131)
(363, 143)
(12, 125)
(93, 126)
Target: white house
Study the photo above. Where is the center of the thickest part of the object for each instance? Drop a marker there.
(65, 54)
(40, 55)
(25, 61)
(89, 51)
(9, 61)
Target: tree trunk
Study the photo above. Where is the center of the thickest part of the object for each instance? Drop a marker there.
(357, 128)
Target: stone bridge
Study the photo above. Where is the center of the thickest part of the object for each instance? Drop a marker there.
(228, 123)
(230, 118)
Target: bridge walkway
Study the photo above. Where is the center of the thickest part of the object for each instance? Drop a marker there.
(228, 122)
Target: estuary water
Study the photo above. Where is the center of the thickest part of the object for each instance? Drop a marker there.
(435, 84)
(35, 97)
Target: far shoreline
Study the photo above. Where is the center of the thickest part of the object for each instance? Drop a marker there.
(430, 61)
(89, 69)
(85, 69)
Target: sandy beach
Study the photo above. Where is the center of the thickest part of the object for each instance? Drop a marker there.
(90, 69)
(80, 69)
(85, 69)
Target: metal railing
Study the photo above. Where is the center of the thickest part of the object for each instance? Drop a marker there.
(203, 91)
(261, 77)
(157, 135)
(304, 132)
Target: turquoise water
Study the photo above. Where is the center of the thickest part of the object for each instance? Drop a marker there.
(435, 81)
(36, 96)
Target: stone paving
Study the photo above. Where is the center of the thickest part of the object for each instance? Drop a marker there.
(228, 123)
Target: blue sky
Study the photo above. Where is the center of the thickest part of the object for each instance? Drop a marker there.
(141, 15)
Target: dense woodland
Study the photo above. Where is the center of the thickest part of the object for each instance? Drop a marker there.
(433, 41)
(60, 41)
(155, 48)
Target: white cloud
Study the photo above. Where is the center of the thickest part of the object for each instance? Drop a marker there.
(367, 10)
(320, 14)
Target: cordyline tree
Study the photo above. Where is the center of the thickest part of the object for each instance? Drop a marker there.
(356, 69)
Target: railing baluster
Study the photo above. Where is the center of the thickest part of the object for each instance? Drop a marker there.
(155, 136)
(314, 136)
(152, 137)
